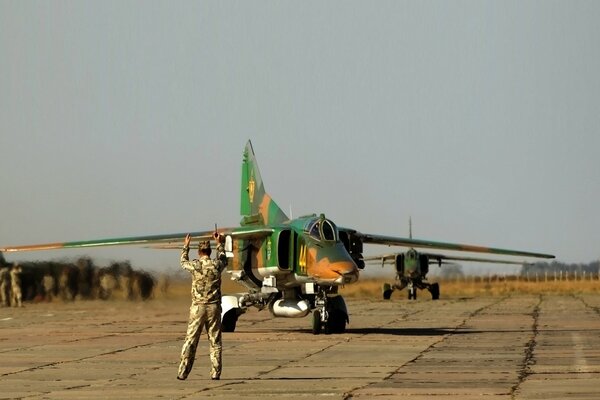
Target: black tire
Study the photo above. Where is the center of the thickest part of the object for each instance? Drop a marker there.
(387, 291)
(229, 320)
(316, 323)
(435, 291)
(337, 322)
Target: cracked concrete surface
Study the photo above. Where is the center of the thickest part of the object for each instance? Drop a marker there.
(514, 347)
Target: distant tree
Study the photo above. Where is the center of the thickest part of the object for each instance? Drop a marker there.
(541, 268)
(451, 271)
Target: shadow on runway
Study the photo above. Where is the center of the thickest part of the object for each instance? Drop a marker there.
(409, 331)
(394, 331)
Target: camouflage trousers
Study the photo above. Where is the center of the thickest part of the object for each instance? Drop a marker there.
(5, 296)
(202, 315)
(16, 296)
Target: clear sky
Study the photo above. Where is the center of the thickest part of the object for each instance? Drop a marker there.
(480, 119)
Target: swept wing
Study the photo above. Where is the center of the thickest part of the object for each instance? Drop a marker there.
(170, 240)
(420, 243)
(440, 258)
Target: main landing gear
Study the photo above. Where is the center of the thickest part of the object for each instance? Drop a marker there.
(434, 289)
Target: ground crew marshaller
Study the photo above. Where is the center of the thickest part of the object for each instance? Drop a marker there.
(205, 310)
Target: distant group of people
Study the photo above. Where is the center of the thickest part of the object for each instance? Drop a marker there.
(46, 281)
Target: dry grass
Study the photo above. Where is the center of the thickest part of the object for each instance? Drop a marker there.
(480, 287)
(470, 287)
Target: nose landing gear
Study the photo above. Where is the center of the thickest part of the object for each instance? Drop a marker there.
(331, 314)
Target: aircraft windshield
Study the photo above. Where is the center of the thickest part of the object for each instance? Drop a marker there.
(315, 231)
(323, 229)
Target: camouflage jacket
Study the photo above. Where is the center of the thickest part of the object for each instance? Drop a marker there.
(4, 276)
(206, 276)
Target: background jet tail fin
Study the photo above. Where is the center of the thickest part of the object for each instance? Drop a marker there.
(256, 206)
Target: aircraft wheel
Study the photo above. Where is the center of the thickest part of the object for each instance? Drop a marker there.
(316, 323)
(435, 291)
(229, 320)
(387, 291)
(336, 322)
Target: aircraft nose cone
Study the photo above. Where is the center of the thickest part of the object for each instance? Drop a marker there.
(348, 271)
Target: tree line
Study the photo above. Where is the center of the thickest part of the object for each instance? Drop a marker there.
(576, 269)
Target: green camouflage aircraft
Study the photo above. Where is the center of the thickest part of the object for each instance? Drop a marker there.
(412, 268)
(291, 266)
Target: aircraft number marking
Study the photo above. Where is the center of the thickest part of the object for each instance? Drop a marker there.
(302, 259)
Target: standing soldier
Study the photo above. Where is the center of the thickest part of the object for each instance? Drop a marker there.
(205, 310)
(4, 285)
(49, 285)
(15, 277)
(125, 273)
(108, 282)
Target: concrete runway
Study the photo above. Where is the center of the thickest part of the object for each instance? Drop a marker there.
(520, 347)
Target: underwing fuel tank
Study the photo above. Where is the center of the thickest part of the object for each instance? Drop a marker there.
(290, 308)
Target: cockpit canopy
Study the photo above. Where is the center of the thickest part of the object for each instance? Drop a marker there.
(322, 229)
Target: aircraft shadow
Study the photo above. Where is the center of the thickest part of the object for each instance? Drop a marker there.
(396, 331)
(408, 331)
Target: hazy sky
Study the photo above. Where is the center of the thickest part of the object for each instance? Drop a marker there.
(478, 119)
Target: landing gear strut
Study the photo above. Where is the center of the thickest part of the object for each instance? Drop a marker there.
(330, 315)
(412, 292)
(411, 288)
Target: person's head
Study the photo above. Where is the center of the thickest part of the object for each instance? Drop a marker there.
(204, 248)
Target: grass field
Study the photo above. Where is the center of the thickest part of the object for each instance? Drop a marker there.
(468, 287)
(478, 286)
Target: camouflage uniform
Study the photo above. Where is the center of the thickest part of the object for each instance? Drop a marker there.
(107, 284)
(205, 310)
(49, 285)
(15, 277)
(4, 286)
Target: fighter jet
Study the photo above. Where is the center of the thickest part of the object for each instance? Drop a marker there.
(290, 266)
(412, 268)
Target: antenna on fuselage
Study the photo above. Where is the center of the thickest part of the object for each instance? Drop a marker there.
(410, 227)
(291, 213)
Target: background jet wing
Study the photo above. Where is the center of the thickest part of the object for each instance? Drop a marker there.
(440, 259)
(383, 258)
(170, 240)
(407, 242)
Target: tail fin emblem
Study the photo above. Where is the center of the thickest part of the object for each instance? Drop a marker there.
(251, 185)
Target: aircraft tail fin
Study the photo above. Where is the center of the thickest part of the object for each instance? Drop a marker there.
(256, 206)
